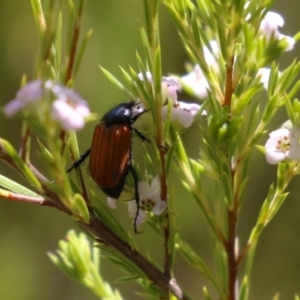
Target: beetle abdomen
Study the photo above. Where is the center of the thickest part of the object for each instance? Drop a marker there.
(109, 157)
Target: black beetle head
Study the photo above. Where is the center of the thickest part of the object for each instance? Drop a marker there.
(124, 113)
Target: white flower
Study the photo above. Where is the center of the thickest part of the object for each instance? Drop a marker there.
(112, 202)
(283, 144)
(270, 23)
(142, 216)
(150, 201)
(195, 81)
(70, 110)
(184, 112)
(29, 93)
(264, 74)
(269, 27)
(210, 56)
(170, 86)
(294, 153)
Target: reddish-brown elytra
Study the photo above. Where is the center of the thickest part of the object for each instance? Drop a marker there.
(110, 153)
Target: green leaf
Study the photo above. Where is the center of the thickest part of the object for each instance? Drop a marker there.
(104, 213)
(58, 45)
(45, 152)
(198, 264)
(79, 208)
(16, 187)
(116, 82)
(157, 73)
(244, 290)
(206, 294)
(38, 14)
(75, 259)
(81, 49)
(22, 166)
(276, 297)
(146, 45)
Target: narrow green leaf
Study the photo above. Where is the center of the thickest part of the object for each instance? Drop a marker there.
(206, 294)
(38, 14)
(81, 50)
(58, 45)
(146, 45)
(23, 167)
(116, 82)
(79, 208)
(198, 263)
(16, 187)
(157, 71)
(244, 290)
(46, 153)
(105, 214)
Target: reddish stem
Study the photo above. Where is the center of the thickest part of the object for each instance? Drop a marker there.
(102, 233)
(229, 84)
(163, 179)
(24, 144)
(231, 255)
(74, 43)
(232, 213)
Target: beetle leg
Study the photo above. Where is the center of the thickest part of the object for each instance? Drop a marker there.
(137, 196)
(141, 136)
(78, 162)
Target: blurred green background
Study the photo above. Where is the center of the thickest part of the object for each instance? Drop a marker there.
(27, 232)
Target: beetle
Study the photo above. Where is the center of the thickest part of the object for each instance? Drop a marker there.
(111, 151)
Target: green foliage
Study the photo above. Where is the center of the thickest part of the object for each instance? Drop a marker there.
(80, 260)
(231, 51)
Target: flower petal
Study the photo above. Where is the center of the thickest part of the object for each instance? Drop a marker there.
(67, 116)
(155, 185)
(132, 209)
(112, 202)
(270, 23)
(196, 82)
(274, 157)
(294, 152)
(264, 74)
(141, 218)
(186, 118)
(159, 208)
(30, 92)
(12, 107)
(278, 145)
(144, 189)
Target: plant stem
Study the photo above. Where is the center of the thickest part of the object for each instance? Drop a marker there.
(75, 38)
(232, 212)
(231, 255)
(103, 233)
(165, 283)
(229, 84)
